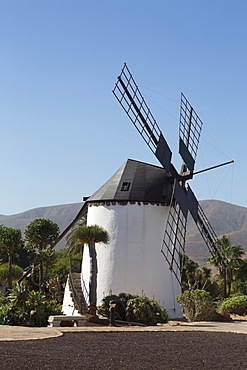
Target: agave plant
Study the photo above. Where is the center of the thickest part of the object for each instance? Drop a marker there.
(17, 295)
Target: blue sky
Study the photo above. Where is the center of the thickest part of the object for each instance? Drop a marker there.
(63, 134)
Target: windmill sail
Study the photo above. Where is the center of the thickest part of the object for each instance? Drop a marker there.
(189, 133)
(203, 224)
(173, 244)
(129, 96)
(174, 238)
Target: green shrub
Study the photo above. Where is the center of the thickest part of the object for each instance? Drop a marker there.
(197, 305)
(27, 309)
(236, 304)
(134, 308)
(120, 310)
(146, 311)
(40, 309)
(242, 287)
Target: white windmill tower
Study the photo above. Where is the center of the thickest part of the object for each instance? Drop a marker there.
(144, 208)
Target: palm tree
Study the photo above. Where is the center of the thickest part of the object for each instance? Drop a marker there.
(206, 273)
(90, 235)
(74, 240)
(189, 269)
(232, 258)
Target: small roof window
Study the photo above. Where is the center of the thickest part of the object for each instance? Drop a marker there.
(125, 186)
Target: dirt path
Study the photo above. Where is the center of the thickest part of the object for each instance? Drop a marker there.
(128, 350)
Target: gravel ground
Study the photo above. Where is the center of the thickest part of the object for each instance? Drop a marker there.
(128, 350)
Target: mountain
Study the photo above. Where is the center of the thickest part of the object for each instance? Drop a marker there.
(61, 215)
(226, 219)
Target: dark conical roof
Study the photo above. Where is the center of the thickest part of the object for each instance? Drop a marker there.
(134, 181)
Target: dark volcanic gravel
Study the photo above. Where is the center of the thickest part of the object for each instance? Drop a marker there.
(128, 350)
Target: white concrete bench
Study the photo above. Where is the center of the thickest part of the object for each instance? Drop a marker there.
(55, 321)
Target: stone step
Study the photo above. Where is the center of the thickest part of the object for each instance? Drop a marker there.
(77, 287)
(77, 283)
(80, 295)
(76, 275)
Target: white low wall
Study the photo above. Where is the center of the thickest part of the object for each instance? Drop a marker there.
(133, 262)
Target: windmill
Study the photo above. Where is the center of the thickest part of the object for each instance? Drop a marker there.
(144, 208)
(182, 197)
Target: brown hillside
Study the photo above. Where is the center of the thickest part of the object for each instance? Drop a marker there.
(226, 219)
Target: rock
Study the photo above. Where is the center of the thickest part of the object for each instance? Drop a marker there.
(224, 316)
(173, 323)
(92, 318)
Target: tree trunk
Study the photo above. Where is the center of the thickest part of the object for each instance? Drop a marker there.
(93, 273)
(229, 280)
(41, 278)
(204, 284)
(224, 282)
(229, 283)
(10, 271)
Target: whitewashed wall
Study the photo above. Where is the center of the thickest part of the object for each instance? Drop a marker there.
(133, 262)
(68, 305)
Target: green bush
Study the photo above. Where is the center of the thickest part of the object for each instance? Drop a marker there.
(236, 304)
(242, 287)
(197, 305)
(120, 310)
(27, 309)
(134, 308)
(146, 311)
